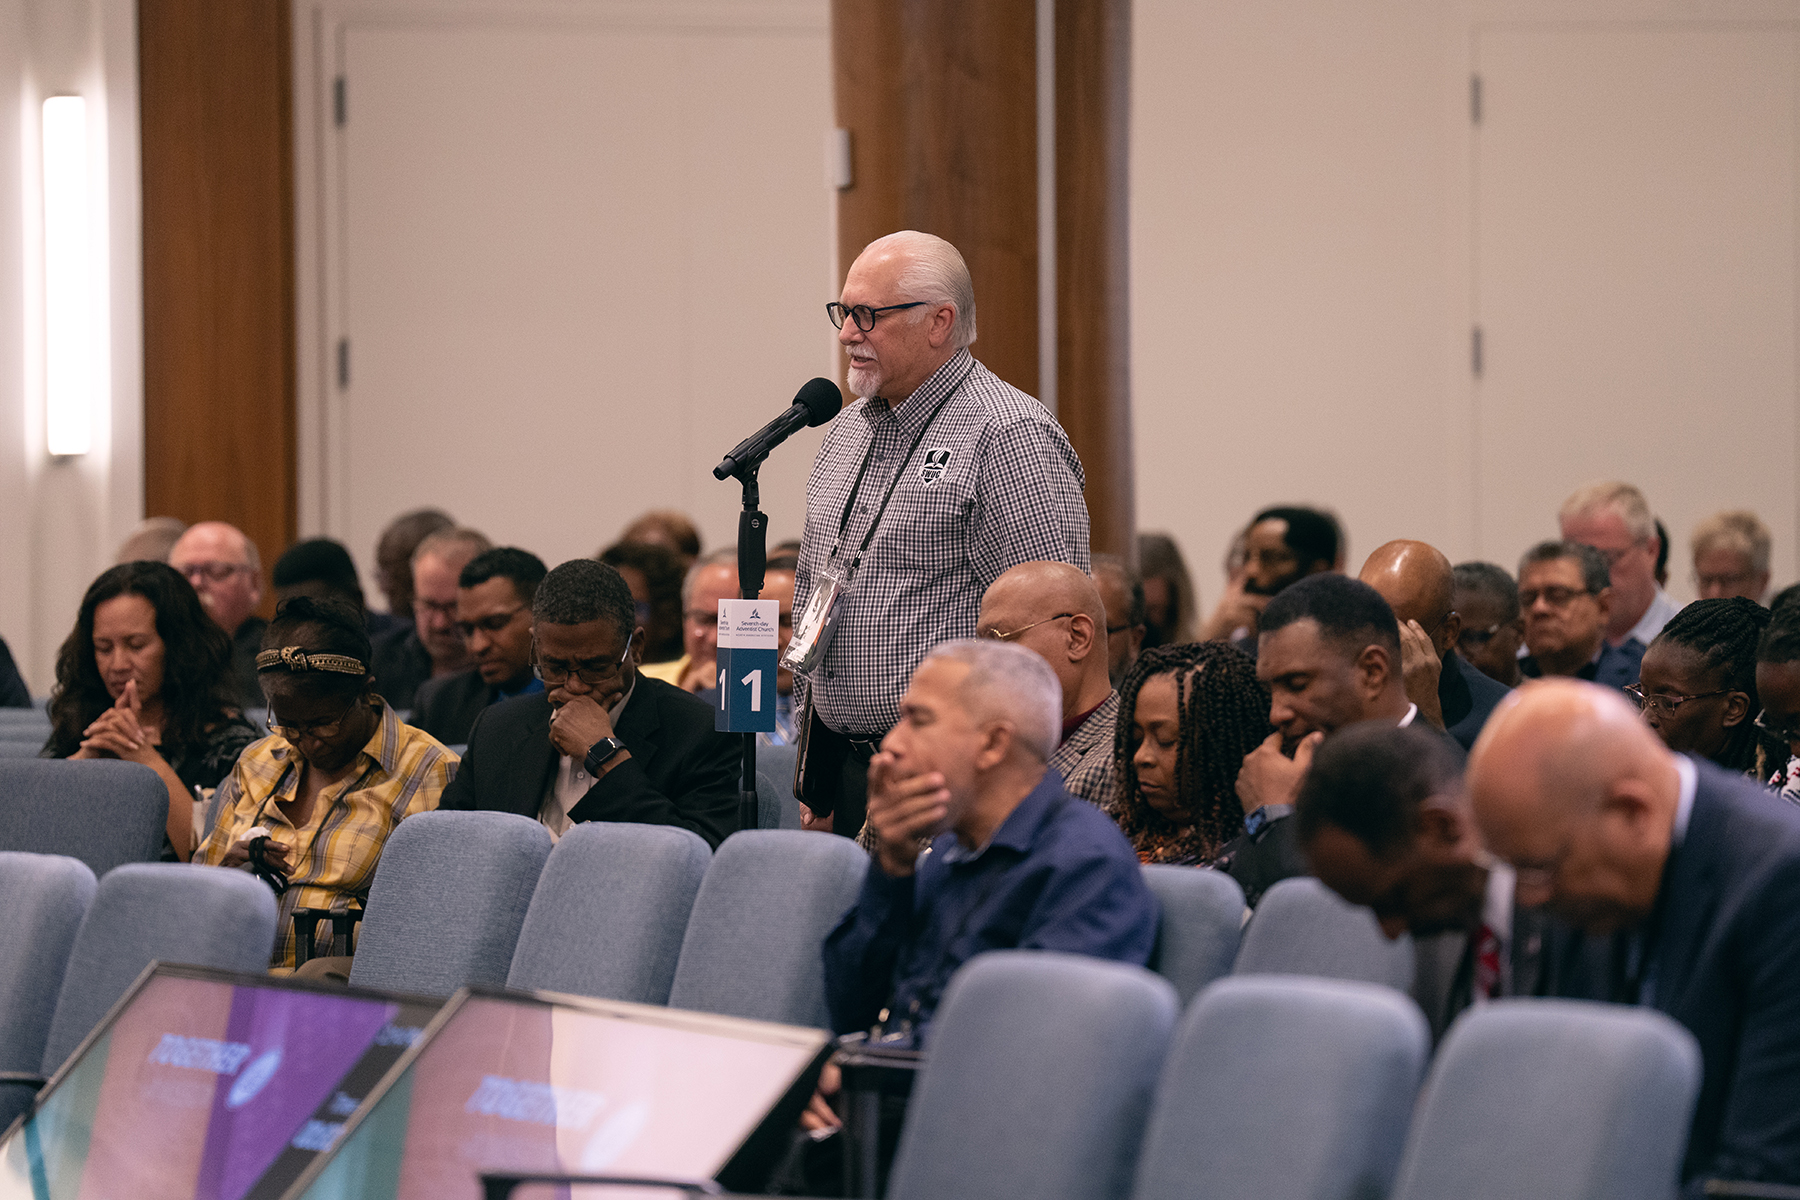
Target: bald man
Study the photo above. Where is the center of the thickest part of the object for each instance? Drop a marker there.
(1696, 872)
(1416, 581)
(225, 569)
(1055, 611)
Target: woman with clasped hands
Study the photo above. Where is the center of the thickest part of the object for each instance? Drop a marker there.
(146, 677)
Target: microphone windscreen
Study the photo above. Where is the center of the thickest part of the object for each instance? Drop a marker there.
(822, 400)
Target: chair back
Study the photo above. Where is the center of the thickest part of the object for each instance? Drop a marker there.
(755, 941)
(1303, 927)
(609, 912)
(1554, 1100)
(103, 812)
(1037, 1081)
(157, 912)
(447, 902)
(1202, 923)
(1285, 1086)
(44, 897)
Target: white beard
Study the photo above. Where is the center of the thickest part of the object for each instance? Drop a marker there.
(865, 380)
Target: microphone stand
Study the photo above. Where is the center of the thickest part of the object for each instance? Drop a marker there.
(753, 561)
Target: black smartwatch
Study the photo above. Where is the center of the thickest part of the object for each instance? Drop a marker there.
(601, 753)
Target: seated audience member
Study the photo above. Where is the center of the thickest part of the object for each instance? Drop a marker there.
(1697, 685)
(394, 555)
(1416, 581)
(338, 773)
(710, 580)
(323, 569)
(1493, 629)
(151, 541)
(13, 692)
(1698, 875)
(1330, 656)
(1731, 556)
(665, 527)
(1282, 545)
(1614, 519)
(1053, 610)
(1565, 598)
(225, 569)
(1122, 592)
(1015, 861)
(1169, 601)
(654, 575)
(604, 742)
(432, 646)
(1384, 821)
(1778, 691)
(145, 676)
(1187, 716)
(493, 611)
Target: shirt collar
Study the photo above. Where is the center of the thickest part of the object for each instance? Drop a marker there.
(1654, 618)
(1412, 712)
(1497, 905)
(912, 414)
(1079, 719)
(1019, 828)
(1684, 799)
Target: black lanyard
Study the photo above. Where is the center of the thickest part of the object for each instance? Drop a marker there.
(856, 488)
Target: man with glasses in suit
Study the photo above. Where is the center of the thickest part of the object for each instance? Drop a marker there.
(602, 742)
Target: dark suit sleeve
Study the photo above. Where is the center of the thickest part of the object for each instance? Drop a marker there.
(694, 784)
(1259, 863)
(861, 953)
(462, 794)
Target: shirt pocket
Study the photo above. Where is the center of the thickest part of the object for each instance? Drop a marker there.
(927, 527)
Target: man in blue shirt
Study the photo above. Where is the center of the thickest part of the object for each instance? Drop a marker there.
(1014, 860)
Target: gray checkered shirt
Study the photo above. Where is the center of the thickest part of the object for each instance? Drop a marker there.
(1085, 758)
(995, 483)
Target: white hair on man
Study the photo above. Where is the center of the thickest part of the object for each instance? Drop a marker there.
(723, 556)
(1621, 498)
(1008, 683)
(935, 273)
(1738, 531)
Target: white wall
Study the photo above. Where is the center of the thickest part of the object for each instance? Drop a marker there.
(61, 520)
(1303, 234)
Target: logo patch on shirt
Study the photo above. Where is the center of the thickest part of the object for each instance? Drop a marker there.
(936, 462)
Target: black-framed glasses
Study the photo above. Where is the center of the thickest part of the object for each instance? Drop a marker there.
(594, 674)
(324, 731)
(492, 623)
(1475, 639)
(996, 636)
(1781, 733)
(862, 315)
(1666, 702)
(1555, 597)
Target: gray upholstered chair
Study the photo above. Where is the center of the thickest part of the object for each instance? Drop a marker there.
(777, 762)
(1554, 1100)
(609, 912)
(448, 900)
(754, 940)
(144, 913)
(105, 813)
(13, 748)
(1303, 927)
(44, 897)
(1202, 921)
(1285, 1086)
(1038, 1080)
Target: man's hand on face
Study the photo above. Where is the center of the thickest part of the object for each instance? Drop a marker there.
(1271, 777)
(577, 723)
(1237, 609)
(903, 810)
(1420, 667)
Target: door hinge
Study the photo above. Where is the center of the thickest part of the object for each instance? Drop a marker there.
(343, 363)
(1475, 352)
(1474, 99)
(340, 108)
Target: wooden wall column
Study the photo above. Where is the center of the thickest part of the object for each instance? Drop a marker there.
(217, 147)
(940, 98)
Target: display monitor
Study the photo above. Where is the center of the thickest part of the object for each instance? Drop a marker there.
(550, 1084)
(207, 1085)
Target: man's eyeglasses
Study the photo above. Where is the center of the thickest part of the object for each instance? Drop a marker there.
(1665, 703)
(324, 731)
(996, 636)
(1475, 639)
(862, 315)
(1555, 597)
(597, 675)
(218, 572)
(492, 623)
(1786, 732)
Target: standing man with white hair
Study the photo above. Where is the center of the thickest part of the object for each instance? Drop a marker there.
(1615, 519)
(928, 488)
(1015, 861)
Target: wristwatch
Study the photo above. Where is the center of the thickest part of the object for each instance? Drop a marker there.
(600, 753)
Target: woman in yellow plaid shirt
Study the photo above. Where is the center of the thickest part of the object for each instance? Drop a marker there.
(312, 805)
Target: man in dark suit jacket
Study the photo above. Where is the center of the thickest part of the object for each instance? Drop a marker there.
(603, 743)
(493, 610)
(1694, 872)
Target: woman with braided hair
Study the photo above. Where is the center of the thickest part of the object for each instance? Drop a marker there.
(1188, 714)
(1697, 683)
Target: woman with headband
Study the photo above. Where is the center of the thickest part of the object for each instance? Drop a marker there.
(309, 808)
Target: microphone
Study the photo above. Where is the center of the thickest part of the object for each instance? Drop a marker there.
(817, 402)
